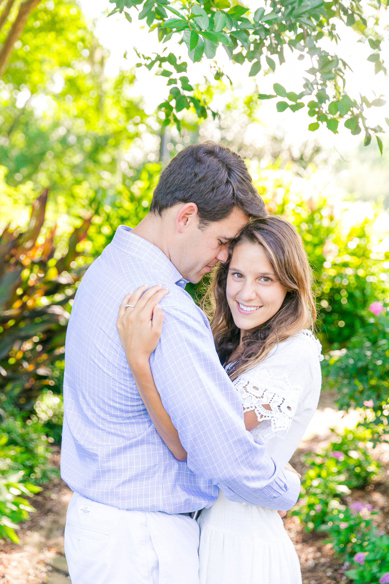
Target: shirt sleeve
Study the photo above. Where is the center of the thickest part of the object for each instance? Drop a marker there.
(206, 410)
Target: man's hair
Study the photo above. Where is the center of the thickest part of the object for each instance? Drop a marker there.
(211, 176)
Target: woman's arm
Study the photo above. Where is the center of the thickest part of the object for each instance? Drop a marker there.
(140, 326)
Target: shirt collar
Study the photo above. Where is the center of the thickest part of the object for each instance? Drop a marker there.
(128, 242)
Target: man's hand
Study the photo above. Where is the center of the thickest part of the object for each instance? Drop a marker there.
(291, 469)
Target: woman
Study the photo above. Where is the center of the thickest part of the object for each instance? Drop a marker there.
(263, 316)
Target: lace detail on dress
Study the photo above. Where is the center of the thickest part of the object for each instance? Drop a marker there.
(259, 388)
(310, 335)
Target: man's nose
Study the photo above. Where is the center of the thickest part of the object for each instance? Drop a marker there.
(222, 256)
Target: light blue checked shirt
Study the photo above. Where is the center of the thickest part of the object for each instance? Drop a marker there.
(111, 452)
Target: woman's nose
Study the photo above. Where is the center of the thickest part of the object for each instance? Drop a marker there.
(248, 291)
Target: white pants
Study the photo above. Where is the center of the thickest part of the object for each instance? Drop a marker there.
(105, 545)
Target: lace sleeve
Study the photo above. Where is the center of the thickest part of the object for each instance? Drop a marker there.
(273, 398)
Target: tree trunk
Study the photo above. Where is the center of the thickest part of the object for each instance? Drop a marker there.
(5, 13)
(15, 31)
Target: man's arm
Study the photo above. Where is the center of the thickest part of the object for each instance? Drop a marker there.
(206, 411)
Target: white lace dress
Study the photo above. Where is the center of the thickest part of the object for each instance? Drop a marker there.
(245, 544)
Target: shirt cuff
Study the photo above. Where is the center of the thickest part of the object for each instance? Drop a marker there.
(290, 497)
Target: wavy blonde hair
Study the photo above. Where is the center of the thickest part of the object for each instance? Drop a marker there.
(285, 252)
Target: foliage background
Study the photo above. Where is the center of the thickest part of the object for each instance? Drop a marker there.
(90, 139)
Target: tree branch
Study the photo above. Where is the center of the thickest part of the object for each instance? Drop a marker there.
(5, 13)
(15, 32)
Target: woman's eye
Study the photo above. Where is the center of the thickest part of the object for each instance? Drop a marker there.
(266, 280)
(236, 275)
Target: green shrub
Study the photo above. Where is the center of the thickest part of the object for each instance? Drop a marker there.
(343, 465)
(37, 285)
(361, 373)
(14, 508)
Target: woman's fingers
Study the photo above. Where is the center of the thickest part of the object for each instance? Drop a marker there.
(152, 302)
(142, 302)
(158, 316)
(131, 298)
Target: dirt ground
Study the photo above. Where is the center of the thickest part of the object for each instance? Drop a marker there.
(39, 558)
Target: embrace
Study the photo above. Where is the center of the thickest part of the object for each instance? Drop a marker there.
(177, 433)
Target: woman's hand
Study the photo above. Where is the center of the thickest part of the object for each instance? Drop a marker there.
(140, 324)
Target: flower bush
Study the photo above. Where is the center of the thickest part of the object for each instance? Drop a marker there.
(364, 548)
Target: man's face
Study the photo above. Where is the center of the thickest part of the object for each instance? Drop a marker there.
(203, 248)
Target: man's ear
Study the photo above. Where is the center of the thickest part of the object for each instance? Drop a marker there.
(186, 216)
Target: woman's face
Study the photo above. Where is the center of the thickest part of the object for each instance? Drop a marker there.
(253, 291)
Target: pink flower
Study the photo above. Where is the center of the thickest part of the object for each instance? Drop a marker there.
(343, 525)
(357, 507)
(368, 403)
(338, 455)
(360, 557)
(376, 307)
(385, 578)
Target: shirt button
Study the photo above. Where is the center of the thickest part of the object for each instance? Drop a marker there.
(181, 282)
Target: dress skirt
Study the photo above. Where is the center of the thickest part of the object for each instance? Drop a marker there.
(245, 544)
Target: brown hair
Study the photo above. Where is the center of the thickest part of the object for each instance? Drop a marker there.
(284, 250)
(211, 176)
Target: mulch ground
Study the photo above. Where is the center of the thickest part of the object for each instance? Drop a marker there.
(34, 560)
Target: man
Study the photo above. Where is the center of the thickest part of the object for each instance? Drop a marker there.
(130, 520)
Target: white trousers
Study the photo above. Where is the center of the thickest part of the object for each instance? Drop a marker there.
(105, 545)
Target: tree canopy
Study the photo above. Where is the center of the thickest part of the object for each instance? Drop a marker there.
(266, 37)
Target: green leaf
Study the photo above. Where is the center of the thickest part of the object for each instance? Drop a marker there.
(282, 106)
(210, 49)
(242, 37)
(175, 23)
(270, 16)
(378, 102)
(374, 57)
(258, 14)
(255, 68)
(281, 91)
(313, 127)
(128, 17)
(332, 125)
(367, 139)
(237, 11)
(239, 58)
(292, 96)
(351, 123)
(333, 108)
(166, 73)
(271, 63)
(352, 574)
(197, 53)
(380, 145)
(186, 86)
(200, 16)
(193, 40)
(344, 105)
(220, 21)
(147, 8)
(181, 103)
(265, 96)
(296, 106)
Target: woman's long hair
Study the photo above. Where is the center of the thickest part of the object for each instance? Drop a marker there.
(285, 252)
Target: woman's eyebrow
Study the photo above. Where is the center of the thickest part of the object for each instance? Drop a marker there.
(259, 273)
